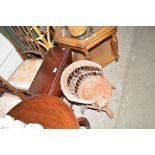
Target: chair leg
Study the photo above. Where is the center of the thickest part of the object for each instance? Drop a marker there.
(84, 122)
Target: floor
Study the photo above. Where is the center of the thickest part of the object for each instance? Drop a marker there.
(133, 100)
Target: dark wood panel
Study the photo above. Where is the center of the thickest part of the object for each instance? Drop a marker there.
(47, 80)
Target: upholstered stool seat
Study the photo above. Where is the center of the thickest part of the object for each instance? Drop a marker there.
(25, 73)
(7, 102)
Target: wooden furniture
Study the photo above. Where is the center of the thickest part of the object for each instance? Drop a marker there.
(47, 80)
(89, 41)
(49, 111)
(23, 40)
(76, 30)
(38, 109)
(15, 66)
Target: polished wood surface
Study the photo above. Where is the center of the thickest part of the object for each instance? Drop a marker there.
(85, 45)
(47, 80)
(49, 111)
(88, 42)
(114, 44)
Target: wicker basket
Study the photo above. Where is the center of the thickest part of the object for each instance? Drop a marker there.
(83, 82)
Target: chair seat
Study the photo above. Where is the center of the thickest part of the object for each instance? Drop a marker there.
(25, 73)
(7, 102)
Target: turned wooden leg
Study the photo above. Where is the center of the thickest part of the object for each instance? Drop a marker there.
(108, 111)
(84, 122)
(114, 44)
(88, 57)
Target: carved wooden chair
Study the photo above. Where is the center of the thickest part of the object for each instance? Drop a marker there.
(15, 66)
(23, 40)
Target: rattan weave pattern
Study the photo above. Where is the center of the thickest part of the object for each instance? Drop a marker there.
(75, 74)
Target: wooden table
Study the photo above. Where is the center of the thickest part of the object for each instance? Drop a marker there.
(47, 80)
(49, 111)
(90, 41)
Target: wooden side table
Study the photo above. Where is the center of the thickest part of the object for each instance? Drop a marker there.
(49, 111)
(89, 40)
(47, 80)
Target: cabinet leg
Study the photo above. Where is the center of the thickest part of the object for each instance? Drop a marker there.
(114, 44)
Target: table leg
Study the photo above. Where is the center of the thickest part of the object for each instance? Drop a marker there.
(114, 44)
(88, 57)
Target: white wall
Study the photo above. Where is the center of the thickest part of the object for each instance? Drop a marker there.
(9, 58)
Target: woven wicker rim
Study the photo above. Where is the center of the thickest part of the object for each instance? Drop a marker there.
(68, 71)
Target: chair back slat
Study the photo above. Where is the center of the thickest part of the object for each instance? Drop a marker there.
(29, 39)
(36, 43)
(23, 40)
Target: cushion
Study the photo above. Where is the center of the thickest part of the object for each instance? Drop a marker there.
(7, 102)
(25, 73)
